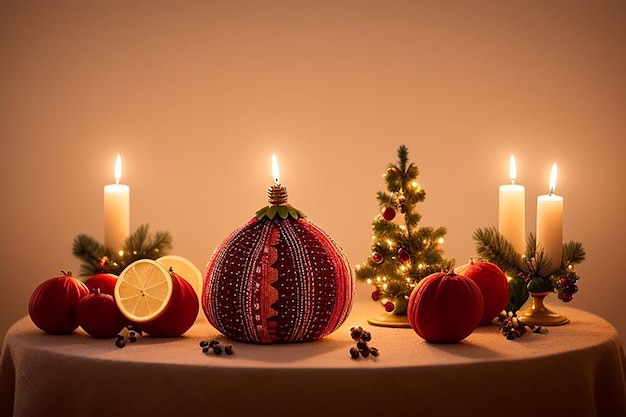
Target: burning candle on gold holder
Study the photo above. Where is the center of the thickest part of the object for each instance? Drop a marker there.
(512, 214)
(550, 223)
(116, 211)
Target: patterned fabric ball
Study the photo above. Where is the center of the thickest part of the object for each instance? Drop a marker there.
(277, 281)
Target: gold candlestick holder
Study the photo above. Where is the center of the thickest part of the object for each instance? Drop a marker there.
(539, 315)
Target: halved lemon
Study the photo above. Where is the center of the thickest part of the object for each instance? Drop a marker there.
(143, 290)
(184, 268)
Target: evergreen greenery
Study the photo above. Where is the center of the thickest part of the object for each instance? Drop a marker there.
(531, 271)
(97, 259)
(402, 252)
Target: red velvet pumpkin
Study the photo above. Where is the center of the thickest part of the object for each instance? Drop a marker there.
(104, 282)
(493, 285)
(180, 313)
(445, 308)
(99, 316)
(52, 303)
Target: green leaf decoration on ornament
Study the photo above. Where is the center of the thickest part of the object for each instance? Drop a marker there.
(284, 212)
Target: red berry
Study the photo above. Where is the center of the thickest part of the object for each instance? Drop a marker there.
(388, 213)
(376, 295)
(389, 306)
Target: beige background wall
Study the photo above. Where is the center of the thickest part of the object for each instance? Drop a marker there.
(196, 95)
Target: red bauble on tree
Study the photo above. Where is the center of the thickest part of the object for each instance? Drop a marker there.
(403, 255)
(445, 308)
(277, 279)
(388, 213)
(377, 258)
(51, 305)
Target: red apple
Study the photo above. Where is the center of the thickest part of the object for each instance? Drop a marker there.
(104, 282)
(51, 305)
(99, 316)
(493, 285)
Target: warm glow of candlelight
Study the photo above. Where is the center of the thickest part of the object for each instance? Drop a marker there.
(118, 169)
(553, 179)
(275, 171)
(512, 169)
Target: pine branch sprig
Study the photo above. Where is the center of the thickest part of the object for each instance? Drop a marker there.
(403, 157)
(97, 259)
(385, 199)
(90, 252)
(573, 253)
(493, 247)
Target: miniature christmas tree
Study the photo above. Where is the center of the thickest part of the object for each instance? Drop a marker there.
(402, 252)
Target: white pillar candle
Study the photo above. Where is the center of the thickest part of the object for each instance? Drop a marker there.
(512, 214)
(116, 211)
(550, 223)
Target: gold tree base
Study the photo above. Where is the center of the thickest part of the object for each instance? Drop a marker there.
(538, 315)
(390, 320)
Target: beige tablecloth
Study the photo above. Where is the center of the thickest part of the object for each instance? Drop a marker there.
(574, 370)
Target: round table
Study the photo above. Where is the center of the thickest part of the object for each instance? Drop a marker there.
(574, 370)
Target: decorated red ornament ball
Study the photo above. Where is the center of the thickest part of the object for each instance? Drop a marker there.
(277, 279)
(51, 305)
(445, 308)
(98, 315)
(493, 285)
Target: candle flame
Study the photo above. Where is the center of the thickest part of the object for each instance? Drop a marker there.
(275, 171)
(118, 168)
(512, 170)
(553, 179)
